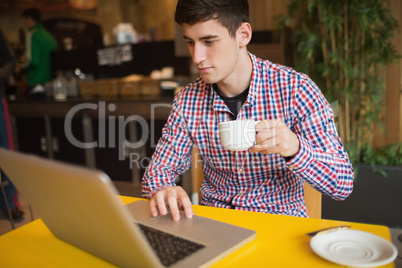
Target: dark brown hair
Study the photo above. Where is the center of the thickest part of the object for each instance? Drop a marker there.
(32, 13)
(230, 13)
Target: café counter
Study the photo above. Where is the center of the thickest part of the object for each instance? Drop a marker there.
(117, 135)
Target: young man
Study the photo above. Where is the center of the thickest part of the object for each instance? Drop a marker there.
(39, 45)
(296, 139)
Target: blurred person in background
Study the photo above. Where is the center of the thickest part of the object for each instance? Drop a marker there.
(39, 44)
(8, 64)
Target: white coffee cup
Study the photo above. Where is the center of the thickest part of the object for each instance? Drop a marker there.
(237, 135)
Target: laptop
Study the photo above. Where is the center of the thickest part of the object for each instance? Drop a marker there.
(82, 207)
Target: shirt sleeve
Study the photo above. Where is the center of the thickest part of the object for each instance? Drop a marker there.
(32, 51)
(321, 160)
(36, 56)
(172, 155)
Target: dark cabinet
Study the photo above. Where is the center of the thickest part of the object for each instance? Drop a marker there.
(63, 147)
(46, 137)
(125, 152)
(30, 135)
(111, 156)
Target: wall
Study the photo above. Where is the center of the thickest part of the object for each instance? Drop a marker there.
(158, 14)
(143, 14)
(147, 14)
(108, 15)
(152, 14)
(263, 13)
(10, 22)
(392, 112)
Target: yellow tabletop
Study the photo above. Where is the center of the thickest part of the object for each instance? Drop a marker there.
(281, 242)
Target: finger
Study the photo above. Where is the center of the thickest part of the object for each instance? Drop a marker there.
(173, 205)
(272, 150)
(185, 204)
(269, 138)
(267, 125)
(265, 148)
(265, 133)
(152, 204)
(264, 143)
(262, 128)
(160, 201)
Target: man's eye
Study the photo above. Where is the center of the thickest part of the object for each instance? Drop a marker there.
(209, 42)
(190, 43)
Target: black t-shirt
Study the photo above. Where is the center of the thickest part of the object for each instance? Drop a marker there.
(233, 103)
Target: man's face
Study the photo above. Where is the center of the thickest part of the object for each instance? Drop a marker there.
(28, 22)
(214, 52)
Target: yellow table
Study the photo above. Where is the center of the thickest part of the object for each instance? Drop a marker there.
(280, 242)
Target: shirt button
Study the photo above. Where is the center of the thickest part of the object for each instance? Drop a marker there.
(241, 192)
(241, 170)
(292, 167)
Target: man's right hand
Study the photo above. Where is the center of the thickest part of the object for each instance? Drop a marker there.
(173, 197)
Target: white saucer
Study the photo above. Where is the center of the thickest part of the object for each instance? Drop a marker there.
(353, 248)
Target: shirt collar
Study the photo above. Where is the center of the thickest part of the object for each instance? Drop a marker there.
(219, 105)
(35, 27)
(255, 77)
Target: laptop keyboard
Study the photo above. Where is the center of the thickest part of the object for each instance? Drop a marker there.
(169, 248)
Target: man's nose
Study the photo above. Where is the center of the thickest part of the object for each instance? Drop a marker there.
(198, 53)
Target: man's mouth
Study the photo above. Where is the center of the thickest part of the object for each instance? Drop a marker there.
(204, 69)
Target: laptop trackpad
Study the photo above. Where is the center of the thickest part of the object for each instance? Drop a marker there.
(141, 213)
(183, 224)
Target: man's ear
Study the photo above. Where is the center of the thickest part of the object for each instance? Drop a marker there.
(245, 33)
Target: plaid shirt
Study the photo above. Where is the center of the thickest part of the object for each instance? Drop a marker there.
(255, 182)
